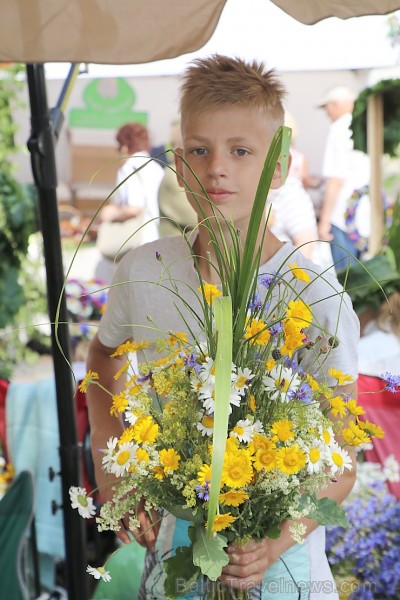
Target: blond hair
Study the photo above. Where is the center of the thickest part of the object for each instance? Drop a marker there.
(220, 81)
(388, 318)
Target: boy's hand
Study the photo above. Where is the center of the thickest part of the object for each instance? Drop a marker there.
(146, 534)
(247, 564)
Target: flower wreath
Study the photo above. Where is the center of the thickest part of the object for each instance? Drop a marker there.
(360, 241)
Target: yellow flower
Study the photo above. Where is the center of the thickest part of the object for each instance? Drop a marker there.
(89, 378)
(142, 455)
(222, 522)
(354, 409)
(269, 364)
(119, 404)
(300, 312)
(237, 470)
(233, 497)
(341, 378)
(265, 459)
(122, 370)
(338, 406)
(372, 429)
(169, 460)
(210, 292)
(260, 442)
(313, 383)
(354, 435)
(290, 460)
(252, 403)
(256, 332)
(129, 347)
(298, 273)
(177, 337)
(283, 430)
(127, 435)
(145, 430)
(294, 338)
(158, 473)
(327, 436)
(204, 474)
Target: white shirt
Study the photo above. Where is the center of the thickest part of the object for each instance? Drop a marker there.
(141, 190)
(343, 162)
(378, 351)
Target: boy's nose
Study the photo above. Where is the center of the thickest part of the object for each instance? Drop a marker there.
(217, 166)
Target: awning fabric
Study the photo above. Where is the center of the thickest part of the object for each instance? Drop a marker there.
(136, 31)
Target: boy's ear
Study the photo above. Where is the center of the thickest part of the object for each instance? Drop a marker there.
(277, 179)
(179, 166)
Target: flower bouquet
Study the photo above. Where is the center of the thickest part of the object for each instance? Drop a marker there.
(226, 428)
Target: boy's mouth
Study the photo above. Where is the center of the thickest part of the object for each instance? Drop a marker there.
(218, 194)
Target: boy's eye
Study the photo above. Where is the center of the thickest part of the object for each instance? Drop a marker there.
(241, 151)
(199, 151)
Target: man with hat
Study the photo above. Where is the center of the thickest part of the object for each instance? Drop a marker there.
(345, 170)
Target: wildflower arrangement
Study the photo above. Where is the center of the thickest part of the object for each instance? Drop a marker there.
(368, 551)
(227, 429)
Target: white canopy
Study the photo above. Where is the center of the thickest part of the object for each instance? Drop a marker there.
(137, 31)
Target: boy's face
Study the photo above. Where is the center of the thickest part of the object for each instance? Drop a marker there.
(226, 148)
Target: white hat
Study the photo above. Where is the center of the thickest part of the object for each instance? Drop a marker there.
(335, 94)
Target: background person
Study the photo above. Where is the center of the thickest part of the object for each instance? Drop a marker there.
(345, 170)
(139, 193)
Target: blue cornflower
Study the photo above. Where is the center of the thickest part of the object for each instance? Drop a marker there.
(203, 491)
(191, 361)
(276, 329)
(392, 382)
(255, 302)
(304, 393)
(267, 279)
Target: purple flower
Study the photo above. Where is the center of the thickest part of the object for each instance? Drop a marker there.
(255, 302)
(267, 279)
(203, 491)
(304, 393)
(392, 382)
(276, 329)
(191, 361)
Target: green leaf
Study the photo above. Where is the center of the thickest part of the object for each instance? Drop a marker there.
(223, 367)
(209, 554)
(181, 572)
(328, 512)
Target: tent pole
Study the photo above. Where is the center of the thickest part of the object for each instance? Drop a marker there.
(41, 146)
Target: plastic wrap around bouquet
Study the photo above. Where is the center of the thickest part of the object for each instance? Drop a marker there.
(227, 429)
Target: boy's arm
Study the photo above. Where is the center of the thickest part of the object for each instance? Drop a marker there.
(103, 425)
(248, 564)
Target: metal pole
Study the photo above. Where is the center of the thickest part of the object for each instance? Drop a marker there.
(41, 146)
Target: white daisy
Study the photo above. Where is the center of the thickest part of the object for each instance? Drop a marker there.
(327, 435)
(243, 431)
(338, 459)
(280, 381)
(109, 453)
(207, 371)
(242, 379)
(258, 427)
(316, 453)
(123, 458)
(99, 573)
(130, 415)
(80, 501)
(206, 424)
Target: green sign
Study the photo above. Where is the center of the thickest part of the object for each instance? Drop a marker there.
(108, 105)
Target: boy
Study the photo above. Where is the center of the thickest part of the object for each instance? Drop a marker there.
(230, 111)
